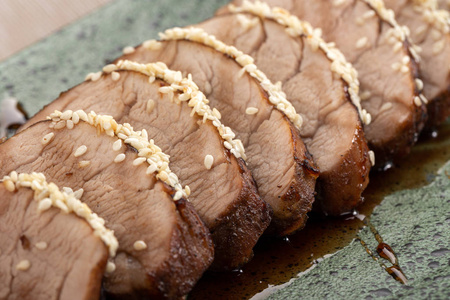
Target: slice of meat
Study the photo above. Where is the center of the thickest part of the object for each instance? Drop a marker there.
(332, 128)
(223, 194)
(371, 40)
(443, 4)
(46, 254)
(163, 246)
(282, 167)
(430, 30)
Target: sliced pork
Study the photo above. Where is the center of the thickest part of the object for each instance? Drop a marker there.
(377, 47)
(444, 4)
(332, 129)
(163, 246)
(222, 188)
(46, 254)
(282, 167)
(430, 30)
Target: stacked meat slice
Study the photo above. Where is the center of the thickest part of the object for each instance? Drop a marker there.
(430, 30)
(369, 37)
(222, 188)
(283, 90)
(282, 167)
(163, 246)
(444, 4)
(61, 248)
(329, 105)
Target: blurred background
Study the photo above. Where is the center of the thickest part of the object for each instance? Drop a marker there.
(23, 22)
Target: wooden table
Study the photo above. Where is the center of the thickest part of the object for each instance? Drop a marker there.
(23, 22)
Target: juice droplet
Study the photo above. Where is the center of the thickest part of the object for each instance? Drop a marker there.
(397, 274)
(385, 251)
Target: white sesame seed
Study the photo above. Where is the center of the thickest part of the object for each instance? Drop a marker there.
(67, 115)
(9, 185)
(365, 95)
(80, 151)
(419, 84)
(163, 175)
(60, 125)
(404, 69)
(386, 106)
(178, 195)
(96, 76)
(151, 169)
(45, 204)
(119, 158)
(41, 245)
(23, 265)
(75, 118)
(13, 176)
(398, 46)
(128, 50)
(110, 267)
(69, 124)
(417, 101)
(372, 157)
(362, 42)
(47, 138)
(209, 160)
(150, 106)
(82, 115)
(251, 110)
(88, 76)
(109, 68)
(187, 190)
(423, 98)
(84, 163)
(139, 245)
(139, 161)
(152, 45)
(78, 193)
(117, 145)
(115, 76)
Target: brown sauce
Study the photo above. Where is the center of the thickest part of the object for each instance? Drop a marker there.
(278, 261)
(385, 252)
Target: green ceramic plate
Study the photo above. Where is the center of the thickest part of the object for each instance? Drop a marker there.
(322, 262)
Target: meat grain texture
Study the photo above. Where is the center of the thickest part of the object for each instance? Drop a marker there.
(136, 206)
(70, 267)
(221, 195)
(367, 42)
(429, 29)
(332, 129)
(280, 163)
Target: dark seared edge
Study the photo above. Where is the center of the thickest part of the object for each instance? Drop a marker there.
(302, 186)
(238, 226)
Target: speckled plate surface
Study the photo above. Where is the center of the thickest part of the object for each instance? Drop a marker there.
(413, 217)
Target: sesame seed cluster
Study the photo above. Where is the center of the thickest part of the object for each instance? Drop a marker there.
(438, 18)
(49, 195)
(187, 91)
(276, 96)
(148, 152)
(295, 28)
(398, 36)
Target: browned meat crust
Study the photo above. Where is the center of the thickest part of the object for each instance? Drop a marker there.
(390, 92)
(306, 76)
(135, 205)
(283, 170)
(216, 193)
